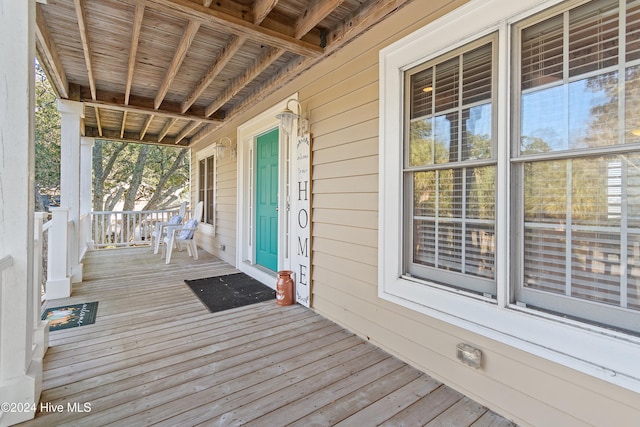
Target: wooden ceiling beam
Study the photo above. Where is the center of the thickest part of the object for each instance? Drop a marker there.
(48, 53)
(187, 38)
(131, 137)
(124, 123)
(139, 105)
(315, 13)
(147, 111)
(218, 19)
(133, 49)
(86, 48)
(186, 131)
(221, 61)
(262, 8)
(146, 125)
(98, 120)
(165, 129)
(369, 14)
(241, 81)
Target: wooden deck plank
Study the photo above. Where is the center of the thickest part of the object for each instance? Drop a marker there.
(425, 409)
(398, 400)
(291, 412)
(349, 404)
(491, 419)
(155, 355)
(464, 412)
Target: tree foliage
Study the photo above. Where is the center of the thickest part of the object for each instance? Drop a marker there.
(47, 138)
(138, 176)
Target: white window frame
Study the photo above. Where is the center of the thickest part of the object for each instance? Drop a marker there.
(608, 355)
(204, 154)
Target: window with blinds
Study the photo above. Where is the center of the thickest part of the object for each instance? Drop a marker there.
(576, 163)
(206, 187)
(450, 170)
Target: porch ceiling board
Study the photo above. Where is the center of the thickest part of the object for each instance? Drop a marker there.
(167, 71)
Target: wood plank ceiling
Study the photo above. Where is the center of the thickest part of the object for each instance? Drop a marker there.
(173, 71)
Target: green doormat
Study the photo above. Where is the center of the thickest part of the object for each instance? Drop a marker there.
(71, 315)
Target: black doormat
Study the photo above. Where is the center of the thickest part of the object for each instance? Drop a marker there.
(233, 290)
(71, 315)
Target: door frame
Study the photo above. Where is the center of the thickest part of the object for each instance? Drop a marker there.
(247, 134)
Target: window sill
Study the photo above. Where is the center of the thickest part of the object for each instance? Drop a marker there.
(604, 354)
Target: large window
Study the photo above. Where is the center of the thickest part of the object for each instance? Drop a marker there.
(206, 187)
(576, 162)
(510, 177)
(449, 173)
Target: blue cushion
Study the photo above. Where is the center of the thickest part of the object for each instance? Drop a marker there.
(175, 220)
(188, 234)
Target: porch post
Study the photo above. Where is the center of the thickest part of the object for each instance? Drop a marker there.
(70, 113)
(86, 156)
(20, 369)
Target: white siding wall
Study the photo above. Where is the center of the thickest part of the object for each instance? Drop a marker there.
(341, 95)
(225, 205)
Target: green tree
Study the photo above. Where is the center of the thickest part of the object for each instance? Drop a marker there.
(47, 140)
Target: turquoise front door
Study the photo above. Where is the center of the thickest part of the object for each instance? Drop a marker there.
(267, 200)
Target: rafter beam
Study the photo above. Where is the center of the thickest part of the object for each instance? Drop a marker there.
(223, 59)
(114, 101)
(145, 126)
(166, 128)
(241, 81)
(114, 135)
(86, 48)
(123, 126)
(186, 131)
(238, 26)
(49, 53)
(133, 49)
(351, 27)
(262, 8)
(316, 12)
(98, 120)
(181, 52)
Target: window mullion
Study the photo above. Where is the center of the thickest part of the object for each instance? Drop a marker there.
(436, 227)
(568, 231)
(622, 53)
(624, 243)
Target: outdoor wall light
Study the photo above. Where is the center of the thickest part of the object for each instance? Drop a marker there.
(287, 116)
(221, 148)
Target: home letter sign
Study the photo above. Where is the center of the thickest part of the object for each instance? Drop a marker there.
(302, 220)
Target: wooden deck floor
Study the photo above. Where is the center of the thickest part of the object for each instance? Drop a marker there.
(156, 356)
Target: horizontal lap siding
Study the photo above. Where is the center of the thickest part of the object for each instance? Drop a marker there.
(225, 205)
(341, 96)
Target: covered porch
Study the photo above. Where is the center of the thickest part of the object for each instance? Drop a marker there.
(155, 355)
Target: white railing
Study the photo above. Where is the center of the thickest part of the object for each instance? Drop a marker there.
(40, 261)
(84, 233)
(125, 228)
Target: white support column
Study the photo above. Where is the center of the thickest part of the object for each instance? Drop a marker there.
(71, 113)
(58, 278)
(20, 371)
(86, 157)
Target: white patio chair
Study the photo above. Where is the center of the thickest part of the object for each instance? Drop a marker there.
(160, 229)
(183, 236)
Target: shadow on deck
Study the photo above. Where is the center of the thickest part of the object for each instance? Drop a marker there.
(156, 356)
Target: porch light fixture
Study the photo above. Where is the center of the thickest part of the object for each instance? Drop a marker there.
(221, 148)
(287, 116)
